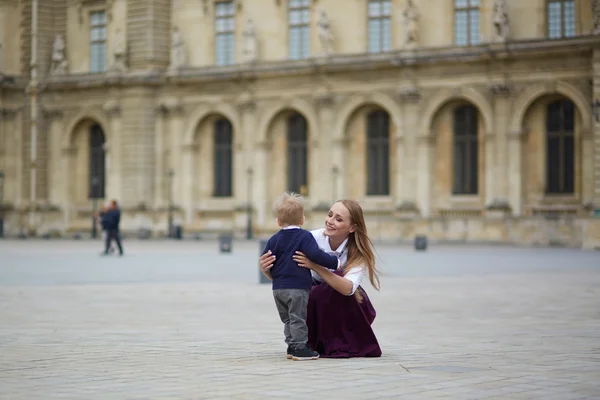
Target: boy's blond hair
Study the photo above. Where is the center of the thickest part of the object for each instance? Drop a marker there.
(289, 209)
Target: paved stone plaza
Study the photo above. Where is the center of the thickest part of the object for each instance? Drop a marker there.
(176, 320)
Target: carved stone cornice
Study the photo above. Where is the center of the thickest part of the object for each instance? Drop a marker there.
(500, 89)
(408, 94)
(324, 99)
(69, 151)
(112, 108)
(246, 105)
(190, 147)
(52, 113)
(171, 106)
(8, 113)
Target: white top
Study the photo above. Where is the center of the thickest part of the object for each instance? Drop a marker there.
(355, 275)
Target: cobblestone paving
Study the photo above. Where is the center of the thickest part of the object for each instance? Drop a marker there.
(179, 321)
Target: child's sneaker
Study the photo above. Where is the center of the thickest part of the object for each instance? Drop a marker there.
(304, 353)
(289, 352)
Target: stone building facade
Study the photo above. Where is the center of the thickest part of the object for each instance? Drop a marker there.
(475, 120)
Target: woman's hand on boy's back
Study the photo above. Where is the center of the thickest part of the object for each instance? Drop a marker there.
(266, 261)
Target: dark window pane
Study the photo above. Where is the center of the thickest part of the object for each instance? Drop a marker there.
(297, 135)
(223, 159)
(560, 147)
(378, 174)
(97, 163)
(465, 150)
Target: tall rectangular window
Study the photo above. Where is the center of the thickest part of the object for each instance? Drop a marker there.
(379, 26)
(560, 147)
(223, 168)
(378, 153)
(560, 16)
(299, 29)
(466, 22)
(465, 148)
(98, 41)
(225, 33)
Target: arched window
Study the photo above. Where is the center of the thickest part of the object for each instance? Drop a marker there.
(97, 163)
(560, 147)
(223, 158)
(297, 154)
(378, 153)
(465, 150)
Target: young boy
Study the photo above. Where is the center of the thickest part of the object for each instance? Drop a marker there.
(292, 283)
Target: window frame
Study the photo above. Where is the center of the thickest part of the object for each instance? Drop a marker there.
(98, 43)
(97, 163)
(385, 37)
(378, 153)
(297, 153)
(224, 55)
(465, 167)
(562, 19)
(304, 27)
(468, 9)
(562, 135)
(223, 158)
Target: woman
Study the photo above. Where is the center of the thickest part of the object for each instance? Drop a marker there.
(340, 313)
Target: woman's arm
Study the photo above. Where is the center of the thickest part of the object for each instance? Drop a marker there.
(266, 262)
(339, 283)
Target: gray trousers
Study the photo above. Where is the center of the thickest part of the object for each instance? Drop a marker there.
(291, 305)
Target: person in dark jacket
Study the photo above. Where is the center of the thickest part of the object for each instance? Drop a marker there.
(104, 224)
(113, 219)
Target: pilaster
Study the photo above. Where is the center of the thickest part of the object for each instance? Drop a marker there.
(497, 151)
(406, 155)
(245, 160)
(114, 151)
(55, 123)
(595, 135)
(322, 167)
(148, 33)
(515, 171)
(425, 159)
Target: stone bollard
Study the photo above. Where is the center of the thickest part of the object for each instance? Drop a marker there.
(225, 243)
(261, 247)
(420, 242)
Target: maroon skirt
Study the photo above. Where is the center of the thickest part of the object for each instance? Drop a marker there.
(339, 326)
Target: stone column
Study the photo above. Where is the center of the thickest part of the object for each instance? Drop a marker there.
(261, 178)
(113, 148)
(407, 149)
(244, 154)
(186, 179)
(587, 153)
(56, 130)
(515, 172)
(174, 140)
(322, 168)
(338, 152)
(67, 166)
(498, 195)
(425, 159)
(595, 134)
(162, 169)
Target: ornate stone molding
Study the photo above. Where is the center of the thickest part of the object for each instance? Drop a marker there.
(112, 108)
(8, 113)
(52, 113)
(324, 99)
(190, 147)
(90, 3)
(69, 151)
(500, 89)
(246, 104)
(171, 106)
(409, 94)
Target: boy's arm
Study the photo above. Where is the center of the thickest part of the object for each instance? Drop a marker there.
(311, 250)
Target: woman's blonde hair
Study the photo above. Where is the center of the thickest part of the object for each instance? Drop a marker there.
(360, 247)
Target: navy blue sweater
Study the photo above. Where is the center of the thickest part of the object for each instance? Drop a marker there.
(286, 273)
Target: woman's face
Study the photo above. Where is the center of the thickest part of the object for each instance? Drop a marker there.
(338, 224)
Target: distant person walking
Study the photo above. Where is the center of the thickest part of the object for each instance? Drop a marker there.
(104, 223)
(113, 219)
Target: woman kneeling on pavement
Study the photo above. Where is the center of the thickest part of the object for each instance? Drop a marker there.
(340, 314)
